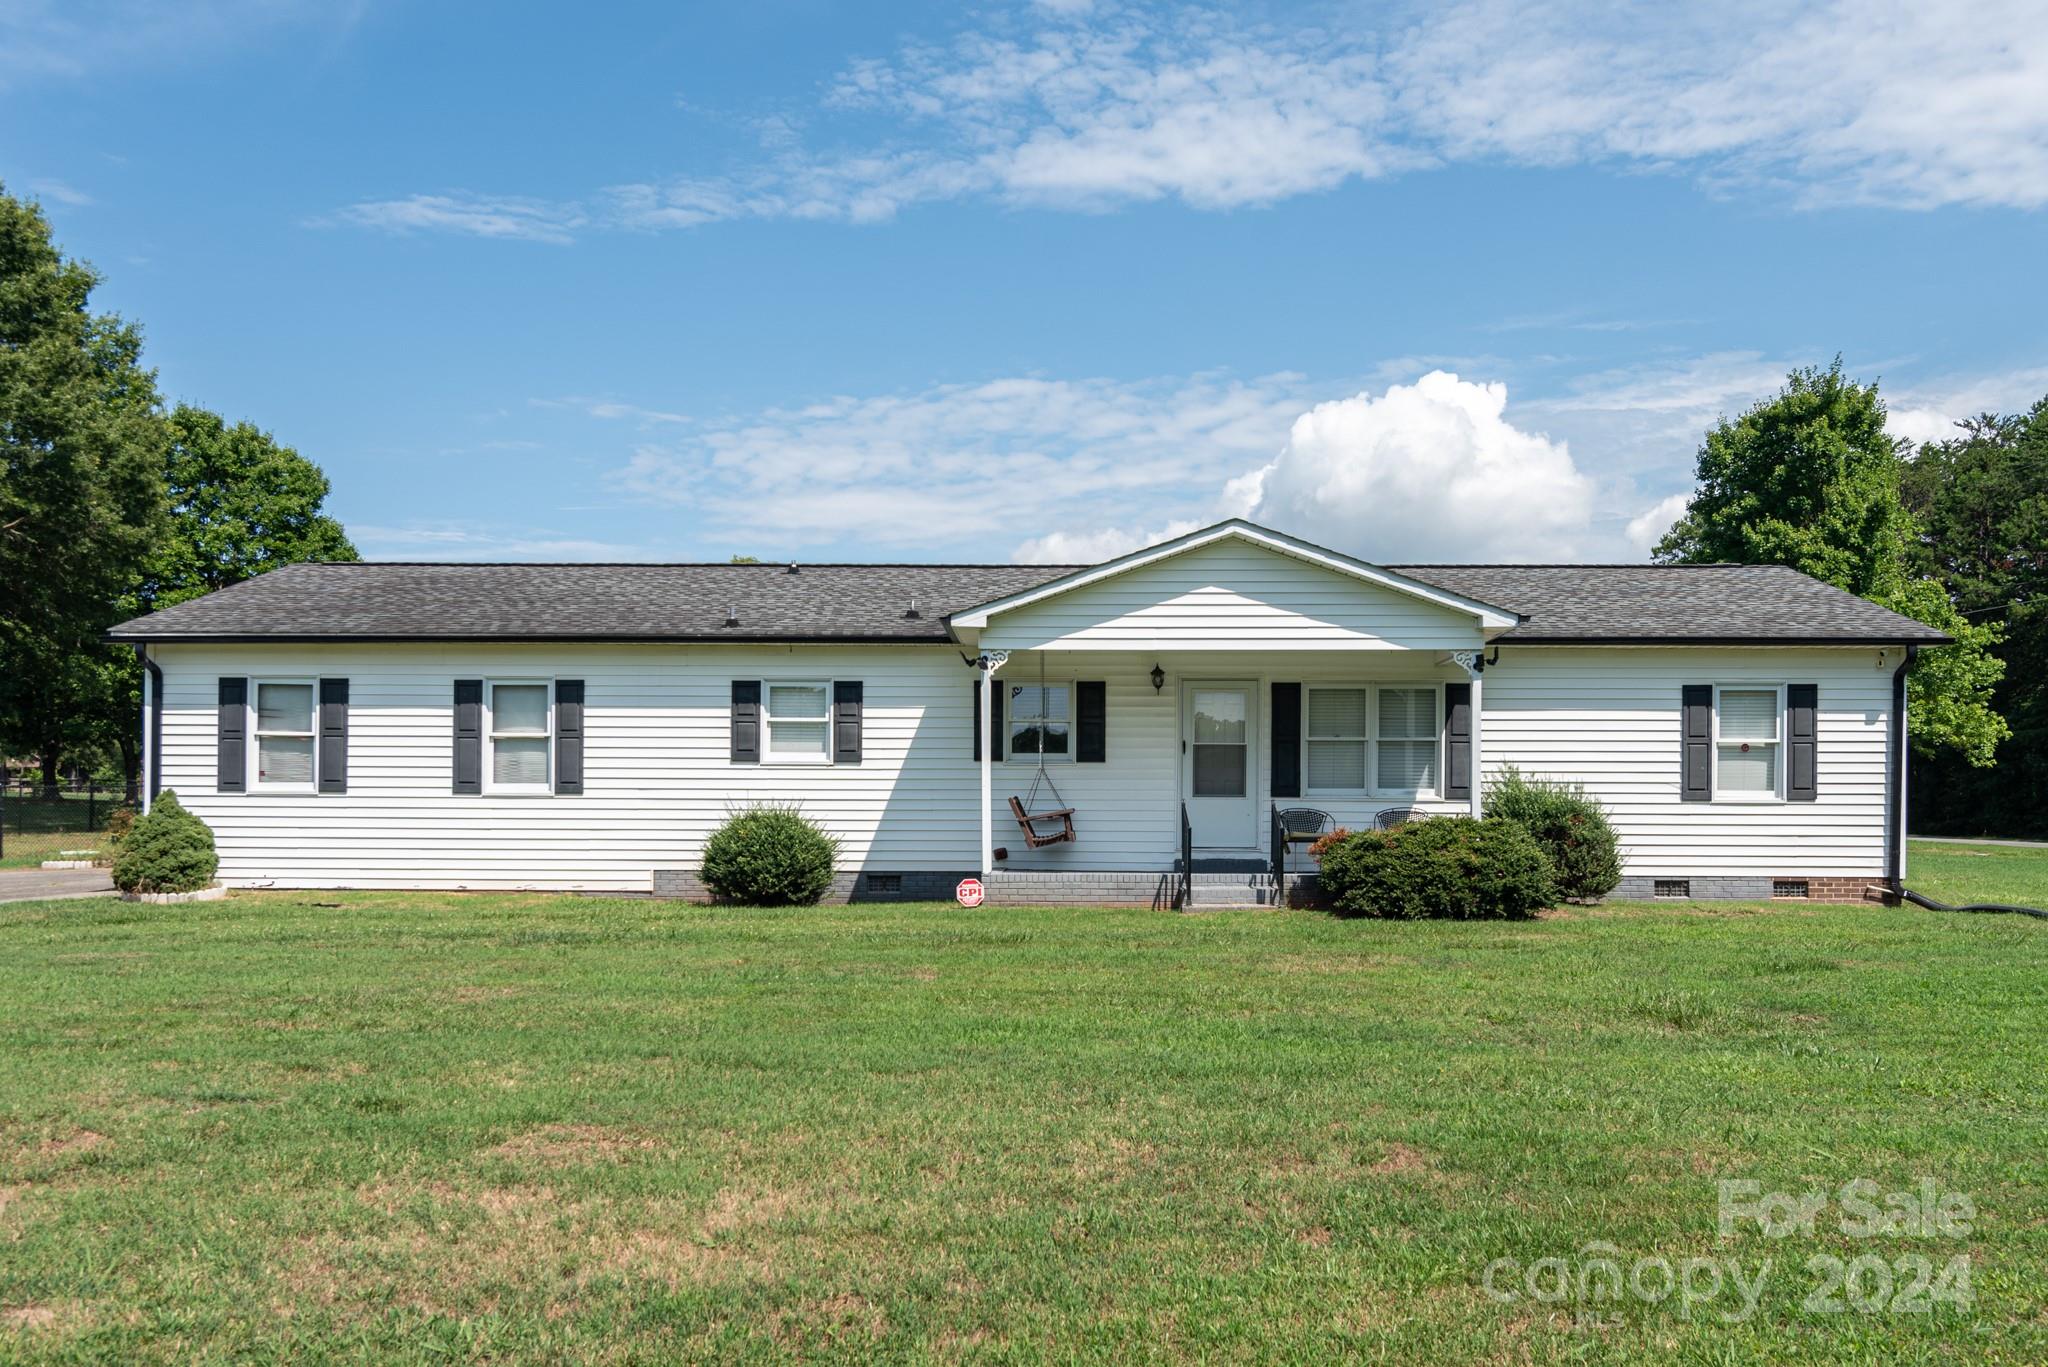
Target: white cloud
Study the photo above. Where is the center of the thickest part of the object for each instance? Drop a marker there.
(614, 410)
(1901, 103)
(971, 470)
(529, 220)
(1928, 410)
(1090, 548)
(453, 541)
(61, 192)
(1428, 471)
(1647, 528)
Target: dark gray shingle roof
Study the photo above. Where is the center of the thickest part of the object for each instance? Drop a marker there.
(382, 600)
(1677, 603)
(593, 602)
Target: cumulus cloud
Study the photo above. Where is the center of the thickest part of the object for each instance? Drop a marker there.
(1089, 548)
(1428, 471)
(1647, 528)
(1928, 410)
(1915, 105)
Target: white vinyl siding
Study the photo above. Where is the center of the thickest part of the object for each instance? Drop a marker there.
(658, 736)
(1233, 597)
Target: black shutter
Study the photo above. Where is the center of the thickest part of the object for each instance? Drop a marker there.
(232, 774)
(746, 721)
(1286, 740)
(1696, 716)
(569, 736)
(995, 719)
(1091, 722)
(333, 743)
(1802, 742)
(846, 716)
(1458, 740)
(997, 731)
(469, 735)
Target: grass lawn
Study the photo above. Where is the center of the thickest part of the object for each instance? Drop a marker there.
(1955, 873)
(34, 828)
(427, 1127)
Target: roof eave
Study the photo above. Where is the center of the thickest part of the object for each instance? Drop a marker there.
(1514, 639)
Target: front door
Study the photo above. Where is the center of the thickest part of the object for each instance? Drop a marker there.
(1219, 760)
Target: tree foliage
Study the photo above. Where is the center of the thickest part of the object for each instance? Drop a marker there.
(1981, 500)
(81, 493)
(1810, 479)
(109, 508)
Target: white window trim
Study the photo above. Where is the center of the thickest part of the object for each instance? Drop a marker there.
(1777, 770)
(1367, 739)
(491, 786)
(254, 783)
(768, 755)
(1010, 755)
(1372, 740)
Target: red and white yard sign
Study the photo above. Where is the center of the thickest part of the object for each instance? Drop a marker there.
(968, 894)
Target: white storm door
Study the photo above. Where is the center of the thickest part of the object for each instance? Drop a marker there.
(1219, 764)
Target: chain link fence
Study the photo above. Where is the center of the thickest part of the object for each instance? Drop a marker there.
(38, 823)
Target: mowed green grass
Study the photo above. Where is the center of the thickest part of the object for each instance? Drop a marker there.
(2014, 875)
(421, 1127)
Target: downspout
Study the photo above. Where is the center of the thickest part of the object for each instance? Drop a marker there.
(152, 727)
(1895, 805)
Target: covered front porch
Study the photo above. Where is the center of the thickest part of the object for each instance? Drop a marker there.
(1148, 776)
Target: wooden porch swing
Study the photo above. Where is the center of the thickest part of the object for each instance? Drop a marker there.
(1028, 820)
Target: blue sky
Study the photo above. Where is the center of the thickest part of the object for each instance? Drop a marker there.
(1449, 282)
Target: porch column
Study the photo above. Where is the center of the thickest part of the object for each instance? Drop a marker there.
(1473, 662)
(991, 661)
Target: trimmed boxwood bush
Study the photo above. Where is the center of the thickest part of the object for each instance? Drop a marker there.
(1570, 825)
(167, 850)
(1447, 866)
(769, 856)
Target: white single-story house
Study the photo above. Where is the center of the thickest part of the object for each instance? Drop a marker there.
(586, 726)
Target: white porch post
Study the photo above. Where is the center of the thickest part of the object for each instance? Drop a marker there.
(1473, 662)
(991, 661)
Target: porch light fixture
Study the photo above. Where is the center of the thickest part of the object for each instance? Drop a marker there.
(1158, 678)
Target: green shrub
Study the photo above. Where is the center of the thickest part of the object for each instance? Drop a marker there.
(769, 856)
(1585, 857)
(1447, 866)
(167, 850)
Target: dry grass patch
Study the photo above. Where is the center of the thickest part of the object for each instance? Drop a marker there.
(573, 1145)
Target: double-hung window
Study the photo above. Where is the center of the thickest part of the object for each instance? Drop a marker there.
(1040, 724)
(1337, 738)
(798, 717)
(1407, 740)
(1747, 739)
(521, 732)
(284, 735)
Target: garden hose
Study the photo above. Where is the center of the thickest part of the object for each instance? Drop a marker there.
(1917, 900)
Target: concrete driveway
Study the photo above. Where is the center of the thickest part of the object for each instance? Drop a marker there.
(34, 885)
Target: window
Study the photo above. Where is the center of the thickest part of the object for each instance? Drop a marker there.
(1040, 724)
(1334, 727)
(799, 721)
(519, 729)
(284, 735)
(1407, 739)
(1746, 742)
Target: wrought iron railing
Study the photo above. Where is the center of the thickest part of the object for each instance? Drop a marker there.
(1277, 831)
(1187, 859)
